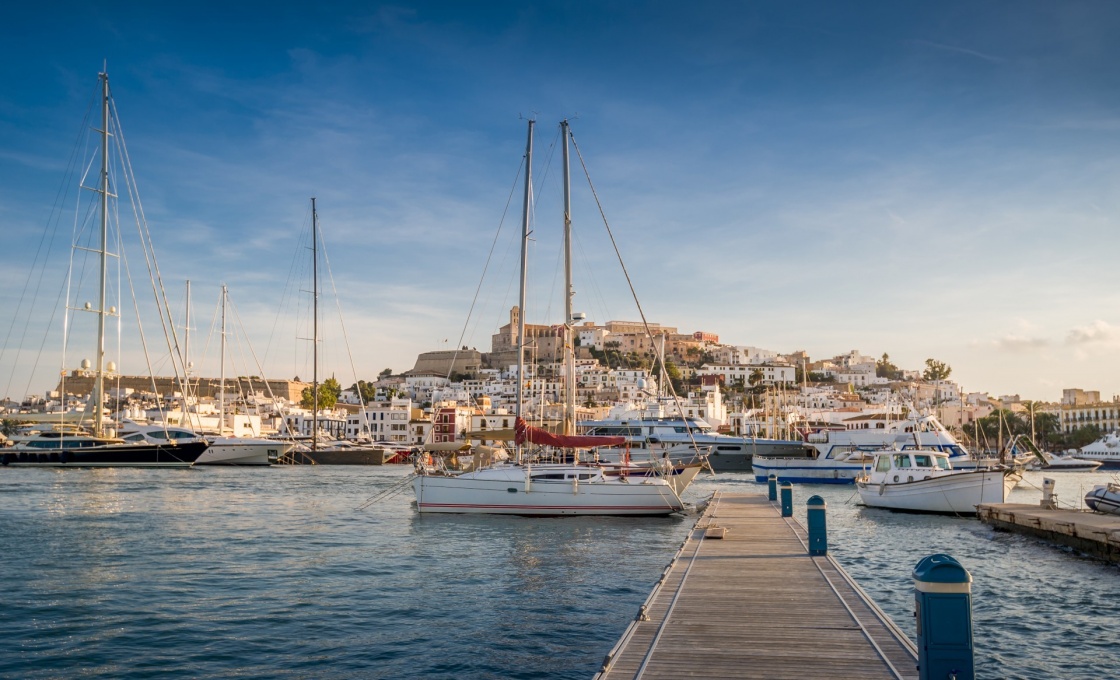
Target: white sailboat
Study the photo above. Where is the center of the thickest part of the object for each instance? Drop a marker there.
(524, 488)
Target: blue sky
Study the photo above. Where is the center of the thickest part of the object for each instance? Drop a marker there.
(929, 180)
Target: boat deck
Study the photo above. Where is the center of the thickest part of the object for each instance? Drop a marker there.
(1089, 532)
(754, 603)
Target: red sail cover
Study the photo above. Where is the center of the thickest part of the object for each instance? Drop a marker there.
(524, 432)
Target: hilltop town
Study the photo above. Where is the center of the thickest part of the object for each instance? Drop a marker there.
(454, 395)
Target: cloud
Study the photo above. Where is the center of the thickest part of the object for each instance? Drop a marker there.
(1098, 332)
(958, 50)
(1019, 343)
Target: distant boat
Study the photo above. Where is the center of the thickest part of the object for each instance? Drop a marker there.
(249, 451)
(528, 488)
(839, 456)
(68, 449)
(1104, 498)
(1105, 450)
(924, 481)
(684, 437)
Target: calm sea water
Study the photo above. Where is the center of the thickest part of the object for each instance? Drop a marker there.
(275, 573)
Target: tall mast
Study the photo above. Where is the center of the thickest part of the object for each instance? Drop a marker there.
(524, 270)
(222, 379)
(315, 327)
(187, 337)
(99, 383)
(569, 346)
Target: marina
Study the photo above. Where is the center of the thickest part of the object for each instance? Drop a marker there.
(213, 572)
(803, 374)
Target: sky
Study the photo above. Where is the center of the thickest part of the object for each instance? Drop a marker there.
(928, 180)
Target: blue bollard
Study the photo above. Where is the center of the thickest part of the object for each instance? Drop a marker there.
(818, 532)
(787, 499)
(943, 608)
(772, 482)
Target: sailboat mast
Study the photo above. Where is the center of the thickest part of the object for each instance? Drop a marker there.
(222, 379)
(524, 271)
(187, 337)
(569, 345)
(99, 383)
(315, 327)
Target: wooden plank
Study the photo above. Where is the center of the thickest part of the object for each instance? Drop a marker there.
(755, 604)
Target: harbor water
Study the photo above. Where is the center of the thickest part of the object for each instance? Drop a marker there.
(272, 573)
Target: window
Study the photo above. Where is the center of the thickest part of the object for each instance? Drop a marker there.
(923, 460)
(902, 460)
(883, 464)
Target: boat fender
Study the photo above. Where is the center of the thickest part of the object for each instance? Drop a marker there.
(882, 487)
(5, 459)
(63, 458)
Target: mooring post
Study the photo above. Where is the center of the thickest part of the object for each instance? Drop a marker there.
(787, 499)
(772, 482)
(943, 608)
(818, 532)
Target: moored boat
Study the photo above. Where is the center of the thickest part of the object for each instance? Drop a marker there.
(1104, 498)
(925, 481)
(1105, 450)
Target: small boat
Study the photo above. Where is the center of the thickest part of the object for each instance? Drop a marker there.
(925, 481)
(1104, 498)
(1057, 462)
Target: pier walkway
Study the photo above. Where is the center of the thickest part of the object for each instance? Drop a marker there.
(755, 604)
(1089, 532)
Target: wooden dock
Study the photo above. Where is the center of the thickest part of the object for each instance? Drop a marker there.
(754, 604)
(1089, 532)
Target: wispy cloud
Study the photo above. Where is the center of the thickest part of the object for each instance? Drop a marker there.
(958, 50)
(1019, 343)
(1097, 333)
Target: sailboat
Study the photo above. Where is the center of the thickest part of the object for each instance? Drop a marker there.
(527, 488)
(63, 448)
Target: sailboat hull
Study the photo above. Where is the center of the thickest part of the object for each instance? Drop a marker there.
(114, 455)
(505, 491)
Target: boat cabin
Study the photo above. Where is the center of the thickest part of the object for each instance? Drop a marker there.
(906, 466)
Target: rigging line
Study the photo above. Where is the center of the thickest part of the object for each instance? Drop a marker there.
(66, 287)
(286, 292)
(260, 370)
(341, 321)
(54, 217)
(626, 273)
(486, 266)
(172, 338)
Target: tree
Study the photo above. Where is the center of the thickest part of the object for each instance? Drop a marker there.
(329, 390)
(385, 373)
(365, 390)
(885, 369)
(936, 370)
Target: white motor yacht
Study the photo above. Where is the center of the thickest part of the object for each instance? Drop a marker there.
(222, 450)
(1106, 450)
